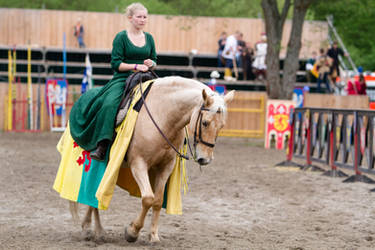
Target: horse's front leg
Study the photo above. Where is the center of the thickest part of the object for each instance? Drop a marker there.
(86, 225)
(140, 173)
(161, 179)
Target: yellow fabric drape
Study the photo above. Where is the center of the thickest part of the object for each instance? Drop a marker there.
(68, 178)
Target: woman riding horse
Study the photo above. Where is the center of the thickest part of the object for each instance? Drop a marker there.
(174, 103)
(92, 118)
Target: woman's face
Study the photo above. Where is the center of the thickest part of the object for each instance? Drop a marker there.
(139, 19)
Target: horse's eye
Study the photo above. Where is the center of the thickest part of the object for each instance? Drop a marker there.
(205, 123)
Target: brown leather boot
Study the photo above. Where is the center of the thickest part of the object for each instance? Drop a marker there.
(101, 150)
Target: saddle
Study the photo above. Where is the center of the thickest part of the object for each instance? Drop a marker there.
(132, 81)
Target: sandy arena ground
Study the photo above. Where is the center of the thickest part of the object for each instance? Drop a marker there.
(240, 201)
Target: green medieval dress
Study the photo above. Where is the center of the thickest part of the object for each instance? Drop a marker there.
(92, 117)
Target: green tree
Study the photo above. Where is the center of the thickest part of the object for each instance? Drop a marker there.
(354, 21)
(282, 88)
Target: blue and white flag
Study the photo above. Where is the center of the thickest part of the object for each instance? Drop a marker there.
(87, 76)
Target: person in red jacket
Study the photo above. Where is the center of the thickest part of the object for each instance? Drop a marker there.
(358, 87)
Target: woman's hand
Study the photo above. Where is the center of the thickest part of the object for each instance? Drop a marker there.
(148, 62)
(142, 67)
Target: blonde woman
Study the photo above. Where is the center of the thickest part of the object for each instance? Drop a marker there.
(92, 118)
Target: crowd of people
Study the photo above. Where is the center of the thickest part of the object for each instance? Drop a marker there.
(325, 69)
(235, 53)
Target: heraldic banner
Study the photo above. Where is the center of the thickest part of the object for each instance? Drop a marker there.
(277, 123)
(56, 97)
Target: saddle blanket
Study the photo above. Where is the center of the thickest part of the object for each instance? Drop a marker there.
(87, 181)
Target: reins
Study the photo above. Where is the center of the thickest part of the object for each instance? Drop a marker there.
(156, 125)
(199, 120)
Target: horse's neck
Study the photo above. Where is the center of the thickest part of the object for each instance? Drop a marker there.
(179, 102)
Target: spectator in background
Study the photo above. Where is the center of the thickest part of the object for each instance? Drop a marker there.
(247, 59)
(241, 45)
(221, 43)
(334, 52)
(229, 54)
(362, 85)
(309, 66)
(78, 32)
(259, 63)
(323, 64)
(358, 87)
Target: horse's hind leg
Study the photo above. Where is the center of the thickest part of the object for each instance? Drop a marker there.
(86, 223)
(99, 231)
(140, 174)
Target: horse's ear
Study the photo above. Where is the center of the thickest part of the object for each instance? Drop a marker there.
(229, 97)
(206, 99)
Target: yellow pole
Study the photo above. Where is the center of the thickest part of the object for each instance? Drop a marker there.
(10, 79)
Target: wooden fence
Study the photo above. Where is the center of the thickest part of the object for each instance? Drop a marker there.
(175, 34)
(246, 115)
(336, 102)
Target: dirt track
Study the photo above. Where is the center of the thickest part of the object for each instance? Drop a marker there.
(240, 201)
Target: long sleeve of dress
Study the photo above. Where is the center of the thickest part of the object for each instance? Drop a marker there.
(117, 56)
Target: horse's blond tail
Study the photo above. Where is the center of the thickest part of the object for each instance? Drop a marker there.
(73, 207)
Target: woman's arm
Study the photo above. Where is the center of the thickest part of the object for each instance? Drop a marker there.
(117, 56)
(138, 67)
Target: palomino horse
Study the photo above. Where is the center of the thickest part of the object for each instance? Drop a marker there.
(174, 102)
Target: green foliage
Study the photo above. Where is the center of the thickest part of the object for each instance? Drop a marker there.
(88, 5)
(221, 8)
(354, 21)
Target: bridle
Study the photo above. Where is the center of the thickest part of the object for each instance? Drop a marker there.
(200, 139)
(196, 141)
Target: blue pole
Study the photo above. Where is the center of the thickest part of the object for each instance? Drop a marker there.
(64, 56)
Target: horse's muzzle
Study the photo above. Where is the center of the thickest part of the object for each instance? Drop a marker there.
(203, 161)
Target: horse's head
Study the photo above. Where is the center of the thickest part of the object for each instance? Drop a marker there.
(206, 122)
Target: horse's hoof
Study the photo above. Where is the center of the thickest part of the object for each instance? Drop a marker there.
(129, 236)
(100, 236)
(87, 235)
(154, 239)
(100, 239)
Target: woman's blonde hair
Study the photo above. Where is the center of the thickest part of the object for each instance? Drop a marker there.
(132, 8)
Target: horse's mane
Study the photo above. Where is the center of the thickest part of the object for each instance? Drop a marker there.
(183, 82)
(187, 85)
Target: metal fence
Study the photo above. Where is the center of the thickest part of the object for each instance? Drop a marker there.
(340, 138)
